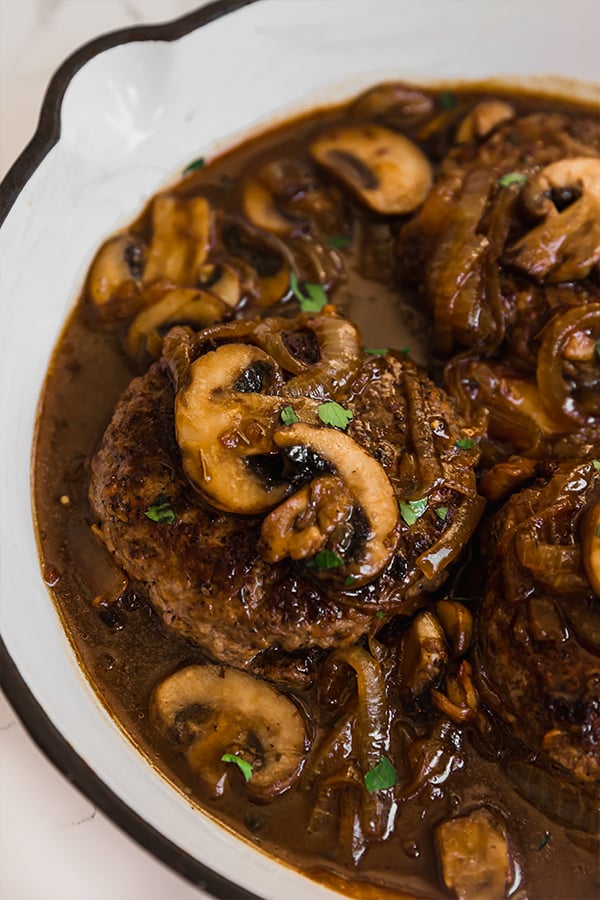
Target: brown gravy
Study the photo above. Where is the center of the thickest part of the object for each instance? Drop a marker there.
(125, 652)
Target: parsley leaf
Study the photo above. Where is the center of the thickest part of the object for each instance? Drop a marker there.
(597, 530)
(465, 444)
(288, 416)
(325, 559)
(598, 349)
(194, 166)
(312, 297)
(380, 614)
(596, 464)
(512, 178)
(349, 580)
(381, 776)
(161, 511)
(447, 100)
(441, 512)
(405, 351)
(244, 766)
(376, 351)
(546, 837)
(412, 510)
(331, 413)
(339, 241)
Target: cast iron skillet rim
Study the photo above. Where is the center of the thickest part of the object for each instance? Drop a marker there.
(52, 744)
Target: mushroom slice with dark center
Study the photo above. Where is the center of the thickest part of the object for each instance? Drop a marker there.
(114, 283)
(181, 235)
(178, 306)
(374, 496)
(225, 414)
(215, 711)
(566, 245)
(394, 103)
(383, 168)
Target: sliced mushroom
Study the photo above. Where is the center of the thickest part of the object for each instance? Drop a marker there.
(181, 232)
(394, 103)
(474, 856)
(224, 416)
(286, 197)
(178, 306)
(263, 262)
(482, 119)
(384, 169)
(115, 278)
(304, 523)
(566, 245)
(506, 477)
(213, 710)
(221, 279)
(424, 655)
(369, 551)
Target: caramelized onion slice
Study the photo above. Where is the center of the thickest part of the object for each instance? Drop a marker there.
(454, 539)
(214, 710)
(590, 541)
(553, 387)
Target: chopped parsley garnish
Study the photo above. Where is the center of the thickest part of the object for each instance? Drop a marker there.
(465, 444)
(598, 349)
(512, 178)
(405, 351)
(331, 413)
(545, 838)
(325, 559)
(161, 511)
(349, 580)
(244, 766)
(376, 351)
(380, 614)
(194, 166)
(597, 530)
(339, 241)
(288, 416)
(596, 464)
(312, 297)
(381, 776)
(441, 512)
(412, 510)
(447, 100)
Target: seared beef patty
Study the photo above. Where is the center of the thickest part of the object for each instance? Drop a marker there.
(539, 626)
(203, 571)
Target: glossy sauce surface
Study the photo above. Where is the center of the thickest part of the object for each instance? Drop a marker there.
(125, 651)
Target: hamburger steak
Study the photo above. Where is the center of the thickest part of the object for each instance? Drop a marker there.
(205, 570)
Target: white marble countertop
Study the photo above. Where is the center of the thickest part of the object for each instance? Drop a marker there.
(54, 845)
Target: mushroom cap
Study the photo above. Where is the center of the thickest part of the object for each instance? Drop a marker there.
(566, 245)
(239, 713)
(367, 481)
(220, 425)
(384, 169)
